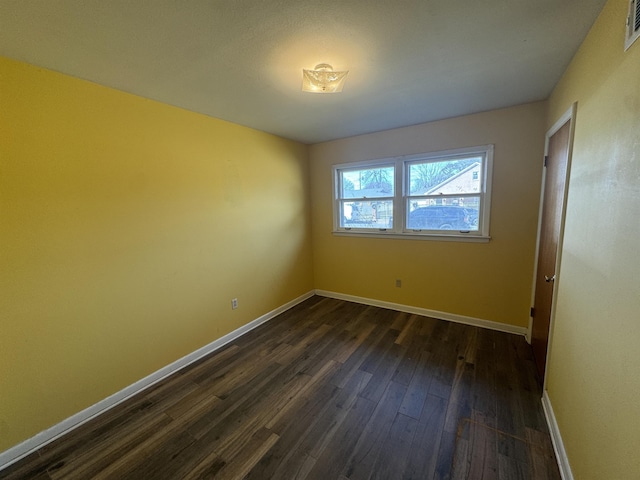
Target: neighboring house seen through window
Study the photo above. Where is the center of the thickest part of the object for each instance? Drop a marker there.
(442, 194)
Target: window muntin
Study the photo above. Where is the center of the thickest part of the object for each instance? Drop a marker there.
(441, 194)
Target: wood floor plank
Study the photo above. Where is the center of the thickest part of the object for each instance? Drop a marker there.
(427, 326)
(418, 388)
(223, 382)
(327, 390)
(231, 432)
(233, 403)
(335, 454)
(157, 463)
(444, 373)
(384, 372)
(133, 414)
(186, 405)
(308, 403)
(207, 468)
(326, 348)
(242, 463)
(357, 358)
(425, 447)
(462, 385)
(304, 392)
(514, 448)
(372, 442)
(323, 428)
(354, 342)
(394, 458)
(407, 366)
(483, 461)
(291, 431)
(408, 331)
(444, 462)
(511, 469)
(475, 457)
(400, 320)
(111, 447)
(209, 363)
(542, 456)
(484, 390)
(260, 413)
(157, 441)
(376, 355)
(300, 345)
(28, 467)
(339, 411)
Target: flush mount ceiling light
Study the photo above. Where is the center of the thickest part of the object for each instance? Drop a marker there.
(323, 79)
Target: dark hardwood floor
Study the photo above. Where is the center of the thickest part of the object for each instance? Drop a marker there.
(327, 390)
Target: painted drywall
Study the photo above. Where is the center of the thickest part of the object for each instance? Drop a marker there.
(593, 376)
(486, 281)
(126, 228)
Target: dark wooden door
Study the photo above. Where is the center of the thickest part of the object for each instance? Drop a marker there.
(552, 208)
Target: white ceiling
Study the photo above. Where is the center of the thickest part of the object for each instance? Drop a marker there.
(410, 61)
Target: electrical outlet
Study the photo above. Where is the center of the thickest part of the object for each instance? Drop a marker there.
(398, 283)
(234, 303)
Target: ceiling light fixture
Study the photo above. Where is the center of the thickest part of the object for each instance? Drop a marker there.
(323, 79)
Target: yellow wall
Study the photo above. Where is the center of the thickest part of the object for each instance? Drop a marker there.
(126, 227)
(594, 368)
(487, 281)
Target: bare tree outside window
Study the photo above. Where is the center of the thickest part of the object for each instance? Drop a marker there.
(425, 176)
(380, 178)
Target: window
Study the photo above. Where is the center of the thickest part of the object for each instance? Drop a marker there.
(366, 197)
(438, 195)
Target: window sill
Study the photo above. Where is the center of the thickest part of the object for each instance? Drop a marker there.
(417, 236)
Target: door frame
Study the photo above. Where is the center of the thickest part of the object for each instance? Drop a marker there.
(569, 115)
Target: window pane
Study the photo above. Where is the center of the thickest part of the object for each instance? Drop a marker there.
(367, 183)
(446, 177)
(447, 214)
(376, 214)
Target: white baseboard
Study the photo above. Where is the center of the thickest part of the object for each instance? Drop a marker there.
(32, 444)
(8, 457)
(556, 438)
(451, 317)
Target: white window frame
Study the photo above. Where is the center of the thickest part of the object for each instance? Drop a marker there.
(401, 196)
